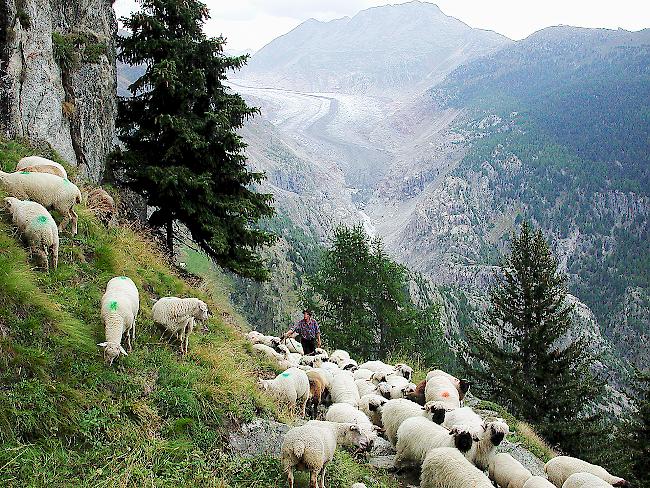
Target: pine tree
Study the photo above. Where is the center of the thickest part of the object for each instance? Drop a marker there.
(362, 300)
(638, 433)
(181, 149)
(523, 353)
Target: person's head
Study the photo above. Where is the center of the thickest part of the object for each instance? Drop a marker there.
(306, 314)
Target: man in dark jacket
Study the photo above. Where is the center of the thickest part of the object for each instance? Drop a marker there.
(309, 333)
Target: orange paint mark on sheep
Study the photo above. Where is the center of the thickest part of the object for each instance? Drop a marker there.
(445, 394)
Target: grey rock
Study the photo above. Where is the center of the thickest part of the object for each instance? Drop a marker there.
(381, 447)
(529, 460)
(258, 437)
(74, 109)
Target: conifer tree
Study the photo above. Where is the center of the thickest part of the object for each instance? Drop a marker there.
(523, 353)
(179, 131)
(638, 433)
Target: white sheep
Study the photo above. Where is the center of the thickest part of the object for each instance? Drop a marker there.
(290, 387)
(348, 365)
(446, 467)
(584, 480)
(494, 433)
(372, 405)
(49, 190)
(346, 413)
(365, 387)
(294, 346)
(362, 374)
(37, 164)
(539, 482)
(315, 361)
(462, 385)
(259, 338)
(330, 366)
(343, 389)
(329, 377)
(178, 316)
(560, 468)
(339, 356)
(395, 412)
(507, 472)
(375, 366)
(37, 227)
(253, 335)
(418, 435)
(463, 415)
(119, 308)
(311, 447)
(321, 351)
(441, 388)
(267, 351)
(404, 370)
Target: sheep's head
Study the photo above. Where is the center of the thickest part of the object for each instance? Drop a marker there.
(497, 430)
(464, 386)
(376, 404)
(321, 351)
(263, 385)
(350, 367)
(408, 390)
(384, 389)
(275, 342)
(111, 351)
(10, 202)
(404, 370)
(463, 438)
(378, 377)
(201, 311)
(436, 411)
(622, 483)
(355, 436)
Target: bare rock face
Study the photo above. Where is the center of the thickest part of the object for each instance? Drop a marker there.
(59, 78)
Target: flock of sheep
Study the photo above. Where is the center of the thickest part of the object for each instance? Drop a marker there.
(39, 183)
(425, 422)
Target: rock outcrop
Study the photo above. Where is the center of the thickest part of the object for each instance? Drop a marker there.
(57, 69)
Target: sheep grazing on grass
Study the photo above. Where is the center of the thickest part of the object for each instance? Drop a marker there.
(49, 190)
(372, 405)
(120, 305)
(267, 351)
(462, 385)
(507, 472)
(418, 435)
(395, 412)
(441, 388)
(100, 203)
(259, 338)
(560, 468)
(37, 164)
(446, 467)
(311, 447)
(585, 480)
(37, 227)
(343, 389)
(178, 316)
(317, 391)
(539, 482)
(290, 387)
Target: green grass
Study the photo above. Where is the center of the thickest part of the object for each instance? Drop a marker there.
(153, 418)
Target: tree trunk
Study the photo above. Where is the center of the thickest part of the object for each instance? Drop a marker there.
(170, 237)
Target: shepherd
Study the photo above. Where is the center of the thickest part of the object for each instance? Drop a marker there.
(309, 333)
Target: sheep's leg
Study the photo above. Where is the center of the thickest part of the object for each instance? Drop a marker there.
(65, 220)
(74, 221)
(128, 340)
(290, 476)
(54, 250)
(304, 406)
(42, 258)
(313, 479)
(322, 477)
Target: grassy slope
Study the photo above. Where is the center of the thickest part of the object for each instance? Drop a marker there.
(153, 419)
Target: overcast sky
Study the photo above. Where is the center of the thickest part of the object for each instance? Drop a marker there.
(250, 24)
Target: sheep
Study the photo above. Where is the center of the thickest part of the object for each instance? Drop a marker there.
(462, 385)
(311, 447)
(395, 412)
(404, 371)
(463, 415)
(346, 413)
(100, 203)
(37, 164)
(494, 433)
(349, 365)
(268, 351)
(384, 389)
(253, 335)
(446, 467)
(290, 387)
(441, 388)
(584, 480)
(37, 227)
(343, 389)
(365, 387)
(294, 346)
(259, 338)
(362, 374)
(372, 405)
(315, 361)
(119, 308)
(539, 482)
(177, 316)
(507, 472)
(418, 435)
(292, 357)
(330, 366)
(322, 352)
(49, 190)
(377, 366)
(339, 356)
(560, 468)
(417, 395)
(317, 390)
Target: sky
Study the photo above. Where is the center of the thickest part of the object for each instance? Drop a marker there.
(250, 24)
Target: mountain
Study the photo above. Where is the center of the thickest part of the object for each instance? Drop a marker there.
(382, 50)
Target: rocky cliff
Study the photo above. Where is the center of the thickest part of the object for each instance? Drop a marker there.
(57, 66)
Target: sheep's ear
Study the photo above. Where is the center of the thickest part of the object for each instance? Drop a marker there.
(102, 344)
(354, 428)
(122, 351)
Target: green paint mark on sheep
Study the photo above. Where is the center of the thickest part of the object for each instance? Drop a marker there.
(66, 181)
(123, 278)
(41, 220)
(25, 173)
(286, 375)
(113, 306)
